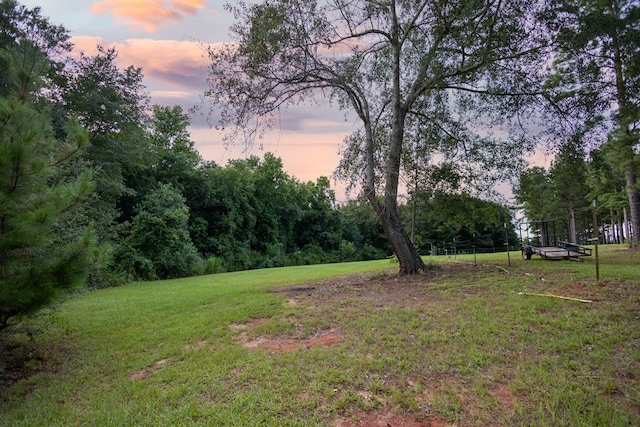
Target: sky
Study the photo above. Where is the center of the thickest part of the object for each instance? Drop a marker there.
(165, 38)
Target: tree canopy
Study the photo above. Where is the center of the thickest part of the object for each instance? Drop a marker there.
(595, 83)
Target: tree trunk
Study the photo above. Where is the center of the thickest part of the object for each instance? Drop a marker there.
(625, 221)
(403, 247)
(634, 207)
(620, 232)
(624, 125)
(573, 235)
(408, 256)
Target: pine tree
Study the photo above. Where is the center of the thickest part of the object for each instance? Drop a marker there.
(38, 257)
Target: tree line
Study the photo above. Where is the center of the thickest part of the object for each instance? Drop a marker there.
(99, 188)
(567, 191)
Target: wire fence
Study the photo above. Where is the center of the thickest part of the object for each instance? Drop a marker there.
(485, 243)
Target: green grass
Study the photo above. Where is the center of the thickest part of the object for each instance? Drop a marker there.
(463, 345)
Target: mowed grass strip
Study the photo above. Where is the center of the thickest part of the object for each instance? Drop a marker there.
(465, 344)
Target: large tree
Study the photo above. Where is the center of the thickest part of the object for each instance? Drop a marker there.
(111, 104)
(397, 64)
(568, 175)
(596, 82)
(534, 193)
(608, 189)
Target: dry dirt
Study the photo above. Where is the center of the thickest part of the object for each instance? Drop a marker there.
(377, 291)
(325, 339)
(388, 418)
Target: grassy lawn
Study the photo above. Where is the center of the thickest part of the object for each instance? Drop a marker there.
(341, 345)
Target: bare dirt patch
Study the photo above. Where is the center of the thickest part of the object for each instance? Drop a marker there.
(377, 290)
(388, 417)
(505, 399)
(17, 361)
(22, 358)
(325, 339)
(381, 289)
(146, 372)
(197, 346)
(439, 289)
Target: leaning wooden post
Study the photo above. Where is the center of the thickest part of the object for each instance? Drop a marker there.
(596, 239)
(454, 249)
(475, 261)
(506, 242)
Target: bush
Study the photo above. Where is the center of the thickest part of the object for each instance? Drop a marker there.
(159, 245)
(214, 265)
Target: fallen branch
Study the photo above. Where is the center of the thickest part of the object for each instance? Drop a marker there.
(546, 294)
(464, 262)
(503, 269)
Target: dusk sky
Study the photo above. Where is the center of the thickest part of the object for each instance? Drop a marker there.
(165, 38)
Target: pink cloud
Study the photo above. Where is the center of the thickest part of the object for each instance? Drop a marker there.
(171, 61)
(343, 47)
(147, 15)
(162, 56)
(87, 44)
(177, 94)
